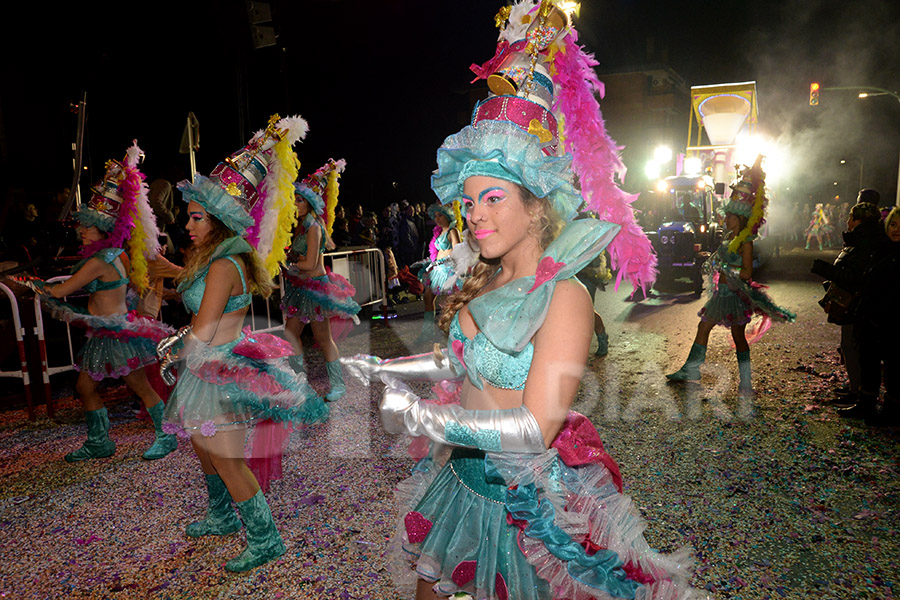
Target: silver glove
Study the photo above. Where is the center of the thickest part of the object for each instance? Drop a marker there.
(164, 347)
(168, 357)
(433, 366)
(166, 364)
(509, 430)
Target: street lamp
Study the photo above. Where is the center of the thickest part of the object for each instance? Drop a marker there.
(860, 161)
(882, 92)
(863, 91)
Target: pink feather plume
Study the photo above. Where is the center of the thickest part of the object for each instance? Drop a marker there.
(596, 161)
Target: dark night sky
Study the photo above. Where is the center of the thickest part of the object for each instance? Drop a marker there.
(382, 83)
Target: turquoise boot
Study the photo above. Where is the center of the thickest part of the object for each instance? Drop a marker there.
(428, 329)
(264, 543)
(336, 379)
(296, 362)
(98, 444)
(745, 386)
(220, 517)
(165, 442)
(602, 344)
(690, 371)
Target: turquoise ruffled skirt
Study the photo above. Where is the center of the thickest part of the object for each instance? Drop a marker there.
(116, 345)
(469, 545)
(541, 526)
(219, 388)
(319, 298)
(435, 276)
(734, 301)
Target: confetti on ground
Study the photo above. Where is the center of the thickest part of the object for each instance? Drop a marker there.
(779, 497)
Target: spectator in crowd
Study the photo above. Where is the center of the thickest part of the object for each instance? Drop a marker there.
(408, 245)
(340, 233)
(875, 326)
(368, 234)
(387, 230)
(864, 236)
(354, 221)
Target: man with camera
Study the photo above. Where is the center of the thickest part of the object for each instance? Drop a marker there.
(845, 277)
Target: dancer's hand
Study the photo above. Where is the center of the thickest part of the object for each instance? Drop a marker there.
(431, 366)
(508, 430)
(166, 364)
(165, 345)
(363, 367)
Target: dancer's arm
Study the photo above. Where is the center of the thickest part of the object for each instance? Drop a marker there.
(88, 272)
(431, 366)
(561, 348)
(746, 261)
(560, 352)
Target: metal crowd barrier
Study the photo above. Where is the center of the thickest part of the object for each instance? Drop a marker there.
(22, 372)
(364, 268)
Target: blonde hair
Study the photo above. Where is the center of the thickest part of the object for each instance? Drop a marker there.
(894, 214)
(258, 280)
(545, 226)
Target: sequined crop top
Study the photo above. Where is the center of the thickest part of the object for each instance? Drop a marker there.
(299, 246)
(109, 256)
(443, 241)
(498, 368)
(192, 292)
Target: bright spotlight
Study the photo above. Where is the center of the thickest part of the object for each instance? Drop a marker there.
(652, 169)
(662, 154)
(692, 166)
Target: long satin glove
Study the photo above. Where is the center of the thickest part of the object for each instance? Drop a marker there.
(510, 430)
(421, 367)
(165, 351)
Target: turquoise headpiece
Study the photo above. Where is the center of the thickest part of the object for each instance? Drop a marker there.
(447, 211)
(503, 150)
(315, 200)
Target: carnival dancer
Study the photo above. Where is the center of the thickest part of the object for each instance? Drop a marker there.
(818, 227)
(540, 499)
(312, 293)
(119, 343)
(230, 379)
(735, 298)
(438, 268)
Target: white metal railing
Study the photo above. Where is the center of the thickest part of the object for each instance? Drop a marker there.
(364, 268)
(22, 372)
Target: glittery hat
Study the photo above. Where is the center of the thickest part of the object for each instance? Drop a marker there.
(540, 125)
(119, 207)
(102, 209)
(251, 190)
(320, 189)
(748, 199)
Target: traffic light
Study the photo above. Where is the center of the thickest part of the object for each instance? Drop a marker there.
(814, 94)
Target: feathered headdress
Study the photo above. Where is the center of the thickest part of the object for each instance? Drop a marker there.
(748, 199)
(120, 208)
(321, 188)
(543, 82)
(251, 191)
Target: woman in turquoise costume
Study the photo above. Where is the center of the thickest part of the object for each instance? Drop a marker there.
(528, 505)
(312, 293)
(119, 343)
(735, 298)
(437, 274)
(230, 379)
